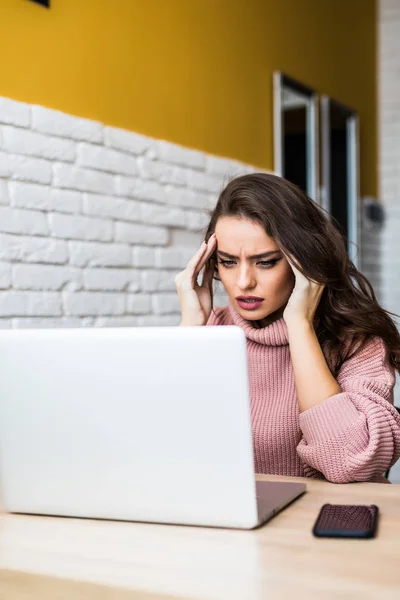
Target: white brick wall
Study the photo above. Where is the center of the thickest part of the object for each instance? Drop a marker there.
(22, 141)
(371, 261)
(96, 221)
(389, 160)
(112, 279)
(80, 228)
(39, 197)
(105, 159)
(45, 277)
(53, 122)
(23, 168)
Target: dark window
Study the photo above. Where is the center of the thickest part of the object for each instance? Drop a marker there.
(295, 146)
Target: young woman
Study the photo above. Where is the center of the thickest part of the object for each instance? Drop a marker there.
(322, 353)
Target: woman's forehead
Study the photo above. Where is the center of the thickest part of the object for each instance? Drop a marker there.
(242, 234)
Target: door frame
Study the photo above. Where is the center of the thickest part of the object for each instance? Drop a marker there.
(279, 81)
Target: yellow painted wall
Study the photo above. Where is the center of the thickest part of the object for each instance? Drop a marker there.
(196, 72)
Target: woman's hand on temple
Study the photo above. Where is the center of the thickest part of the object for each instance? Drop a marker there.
(305, 298)
(197, 300)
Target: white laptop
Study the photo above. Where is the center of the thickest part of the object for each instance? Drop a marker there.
(141, 424)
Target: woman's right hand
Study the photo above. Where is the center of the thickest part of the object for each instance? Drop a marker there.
(197, 300)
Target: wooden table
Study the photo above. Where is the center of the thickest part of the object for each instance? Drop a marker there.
(58, 559)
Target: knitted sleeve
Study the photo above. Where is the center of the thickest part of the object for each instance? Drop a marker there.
(354, 435)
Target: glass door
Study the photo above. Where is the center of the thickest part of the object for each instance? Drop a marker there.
(340, 185)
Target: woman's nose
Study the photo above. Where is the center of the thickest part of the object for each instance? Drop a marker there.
(246, 278)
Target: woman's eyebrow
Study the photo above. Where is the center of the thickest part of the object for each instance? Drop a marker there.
(254, 257)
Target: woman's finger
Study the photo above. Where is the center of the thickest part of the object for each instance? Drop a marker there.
(196, 263)
(185, 277)
(212, 244)
(196, 258)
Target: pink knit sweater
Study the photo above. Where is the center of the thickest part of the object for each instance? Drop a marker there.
(351, 436)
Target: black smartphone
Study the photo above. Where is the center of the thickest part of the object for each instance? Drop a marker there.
(346, 521)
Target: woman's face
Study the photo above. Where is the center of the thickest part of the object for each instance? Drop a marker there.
(253, 270)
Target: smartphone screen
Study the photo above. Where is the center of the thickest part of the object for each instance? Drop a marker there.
(341, 520)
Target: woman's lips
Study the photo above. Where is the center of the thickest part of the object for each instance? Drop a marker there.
(250, 303)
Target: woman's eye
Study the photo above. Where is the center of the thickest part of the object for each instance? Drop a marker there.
(268, 263)
(264, 264)
(227, 263)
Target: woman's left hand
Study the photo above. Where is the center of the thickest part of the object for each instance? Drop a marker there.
(305, 298)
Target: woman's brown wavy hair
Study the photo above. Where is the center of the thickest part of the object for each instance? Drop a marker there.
(348, 314)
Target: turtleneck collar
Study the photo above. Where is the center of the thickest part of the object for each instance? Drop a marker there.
(275, 334)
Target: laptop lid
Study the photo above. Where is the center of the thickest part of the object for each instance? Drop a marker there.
(147, 424)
